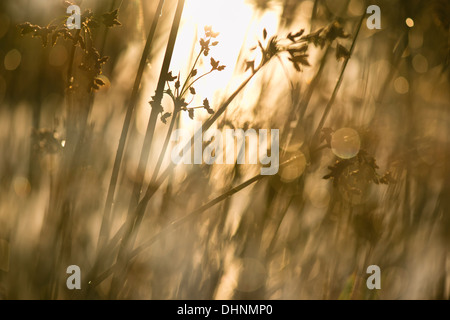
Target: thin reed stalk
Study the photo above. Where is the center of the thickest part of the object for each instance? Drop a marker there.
(156, 109)
(315, 139)
(105, 226)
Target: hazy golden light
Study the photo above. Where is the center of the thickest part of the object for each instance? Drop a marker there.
(356, 7)
(4, 261)
(319, 197)
(420, 63)
(2, 88)
(21, 186)
(252, 275)
(239, 27)
(367, 194)
(4, 24)
(295, 140)
(58, 55)
(415, 38)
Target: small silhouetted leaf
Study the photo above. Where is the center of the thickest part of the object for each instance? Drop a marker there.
(335, 30)
(299, 34)
(204, 43)
(207, 106)
(165, 116)
(264, 34)
(110, 18)
(337, 169)
(250, 65)
(192, 90)
(315, 38)
(194, 73)
(214, 63)
(170, 77)
(342, 52)
(215, 43)
(302, 59)
(182, 103)
(272, 49)
(291, 37)
(191, 113)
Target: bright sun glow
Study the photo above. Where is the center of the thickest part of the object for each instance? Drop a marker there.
(239, 29)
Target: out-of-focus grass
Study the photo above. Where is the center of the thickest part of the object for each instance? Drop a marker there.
(290, 236)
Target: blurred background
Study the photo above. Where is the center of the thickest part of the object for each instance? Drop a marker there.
(373, 191)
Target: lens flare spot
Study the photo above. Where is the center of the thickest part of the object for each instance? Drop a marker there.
(409, 22)
(401, 85)
(420, 63)
(345, 143)
(293, 169)
(356, 7)
(12, 60)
